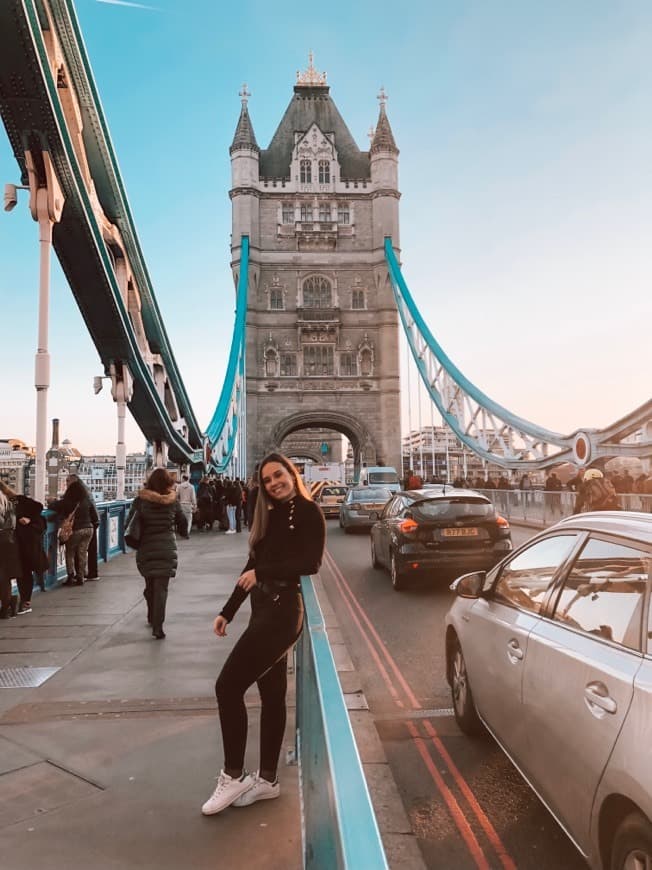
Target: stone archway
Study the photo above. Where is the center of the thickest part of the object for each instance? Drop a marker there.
(362, 442)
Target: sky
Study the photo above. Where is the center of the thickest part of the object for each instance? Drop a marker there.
(525, 170)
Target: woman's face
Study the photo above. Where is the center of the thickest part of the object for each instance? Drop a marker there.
(277, 480)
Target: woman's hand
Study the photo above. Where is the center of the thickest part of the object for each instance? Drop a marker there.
(24, 521)
(247, 580)
(219, 626)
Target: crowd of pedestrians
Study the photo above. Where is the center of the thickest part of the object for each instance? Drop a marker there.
(225, 503)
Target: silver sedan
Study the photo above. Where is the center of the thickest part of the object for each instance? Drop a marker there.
(362, 507)
(551, 652)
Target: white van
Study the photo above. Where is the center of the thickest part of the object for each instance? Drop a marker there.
(380, 475)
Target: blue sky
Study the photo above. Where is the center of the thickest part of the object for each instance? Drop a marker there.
(526, 214)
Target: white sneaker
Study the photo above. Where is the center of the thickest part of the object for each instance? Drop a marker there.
(231, 532)
(259, 790)
(226, 792)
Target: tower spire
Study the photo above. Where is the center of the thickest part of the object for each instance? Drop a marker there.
(244, 136)
(383, 139)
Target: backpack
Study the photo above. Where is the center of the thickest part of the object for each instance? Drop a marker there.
(66, 527)
(602, 496)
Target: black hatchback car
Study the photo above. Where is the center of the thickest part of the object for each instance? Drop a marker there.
(442, 532)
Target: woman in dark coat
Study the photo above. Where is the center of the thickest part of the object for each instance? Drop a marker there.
(9, 556)
(156, 557)
(30, 527)
(78, 499)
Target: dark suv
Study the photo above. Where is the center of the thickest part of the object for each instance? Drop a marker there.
(439, 532)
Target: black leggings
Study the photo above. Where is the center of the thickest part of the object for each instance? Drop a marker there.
(259, 656)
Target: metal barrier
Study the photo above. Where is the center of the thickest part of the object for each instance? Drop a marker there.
(110, 538)
(545, 508)
(339, 827)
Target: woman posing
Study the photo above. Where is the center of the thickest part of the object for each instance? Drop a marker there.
(286, 540)
(77, 499)
(156, 557)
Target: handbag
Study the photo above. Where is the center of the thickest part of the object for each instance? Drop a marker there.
(66, 527)
(134, 530)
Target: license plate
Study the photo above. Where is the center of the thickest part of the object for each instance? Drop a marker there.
(460, 533)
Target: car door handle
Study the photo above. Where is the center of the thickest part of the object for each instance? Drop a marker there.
(515, 653)
(597, 695)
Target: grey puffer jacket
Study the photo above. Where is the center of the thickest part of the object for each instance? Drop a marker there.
(157, 554)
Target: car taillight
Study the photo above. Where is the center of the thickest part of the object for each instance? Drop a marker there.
(408, 526)
(502, 522)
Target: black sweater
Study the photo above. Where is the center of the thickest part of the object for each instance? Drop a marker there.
(293, 546)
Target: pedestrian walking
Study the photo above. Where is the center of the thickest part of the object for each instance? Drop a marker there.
(233, 497)
(30, 527)
(205, 502)
(187, 501)
(596, 493)
(76, 504)
(286, 541)
(9, 555)
(156, 557)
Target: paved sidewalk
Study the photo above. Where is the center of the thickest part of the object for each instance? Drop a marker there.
(107, 763)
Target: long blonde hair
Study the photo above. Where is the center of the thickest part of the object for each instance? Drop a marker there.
(7, 495)
(264, 502)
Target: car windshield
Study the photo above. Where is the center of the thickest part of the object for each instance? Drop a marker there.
(374, 494)
(383, 477)
(334, 490)
(453, 508)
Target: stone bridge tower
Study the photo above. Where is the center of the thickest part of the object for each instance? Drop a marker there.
(322, 326)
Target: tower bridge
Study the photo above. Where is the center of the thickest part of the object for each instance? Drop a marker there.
(320, 297)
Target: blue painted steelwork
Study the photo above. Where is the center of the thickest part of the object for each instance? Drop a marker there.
(227, 419)
(487, 428)
(110, 538)
(339, 825)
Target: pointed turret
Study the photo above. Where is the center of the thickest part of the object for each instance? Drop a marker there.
(245, 175)
(244, 138)
(383, 155)
(383, 139)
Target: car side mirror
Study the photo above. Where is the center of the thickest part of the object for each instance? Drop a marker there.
(470, 585)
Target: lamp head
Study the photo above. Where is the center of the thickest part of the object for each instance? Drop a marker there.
(97, 384)
(11, 196)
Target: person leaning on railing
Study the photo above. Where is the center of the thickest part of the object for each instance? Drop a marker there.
(286, 541)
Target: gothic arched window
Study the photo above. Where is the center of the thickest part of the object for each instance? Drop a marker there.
(366, 363)
(317, 292)
(271, 363)
(324, 171)
(305, 171)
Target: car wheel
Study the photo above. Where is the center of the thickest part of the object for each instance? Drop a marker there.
(374, 558)
(632, 845)
(398, 580)
(466, 714)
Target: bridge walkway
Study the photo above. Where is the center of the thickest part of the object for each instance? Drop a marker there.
(107, 763)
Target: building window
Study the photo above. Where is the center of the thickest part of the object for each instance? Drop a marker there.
(357, 299)
(317, 360)
(288, 365)
(306, 213)
(348, 364)
(276, 299)
(305, 171)
(288, 213)
(317, 292)
(271, 364)
(324, 212)
(324, 172)
(343, 214)
(366, 365)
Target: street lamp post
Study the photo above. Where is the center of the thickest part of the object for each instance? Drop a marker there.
(46, 202)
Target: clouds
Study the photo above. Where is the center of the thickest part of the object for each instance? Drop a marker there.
(132, 5)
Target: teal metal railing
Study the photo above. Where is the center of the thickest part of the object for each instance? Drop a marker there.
(338, 822)
(110, 538)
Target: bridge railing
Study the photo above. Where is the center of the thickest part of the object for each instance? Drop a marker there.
(339, 827)
(545, 508)
(110, 538)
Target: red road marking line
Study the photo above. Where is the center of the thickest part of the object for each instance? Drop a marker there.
(485, 823)
(453, 806)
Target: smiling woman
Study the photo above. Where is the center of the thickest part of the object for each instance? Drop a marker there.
(286, 541)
